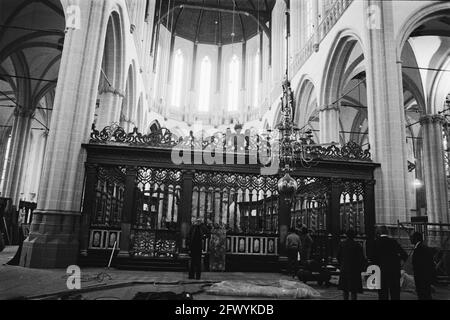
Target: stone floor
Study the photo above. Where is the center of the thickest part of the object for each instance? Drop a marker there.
(111, 284)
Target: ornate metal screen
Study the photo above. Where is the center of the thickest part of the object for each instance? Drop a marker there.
(157, 203)
(352, 207)
(106, 217)
(243, 203)
(109, 196)
(149, 191)
(310, 207)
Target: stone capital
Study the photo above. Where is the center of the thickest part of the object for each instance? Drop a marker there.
(23, 112)
(333, 107)
(432, 119)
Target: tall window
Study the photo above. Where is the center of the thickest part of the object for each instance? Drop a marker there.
(205, 84)
(233, 84)
(177, 72)
(257, 73)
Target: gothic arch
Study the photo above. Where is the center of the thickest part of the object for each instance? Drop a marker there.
(344, 89)
(337, 72)
(306, 99)
(112, 75)
(114, 53)
(127, 118)
(421, 15)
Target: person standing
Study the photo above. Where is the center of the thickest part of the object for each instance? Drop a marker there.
(196, 236)
(352, 261)
(388, 255)
(293, 244)
(307, 242)
(423, 266)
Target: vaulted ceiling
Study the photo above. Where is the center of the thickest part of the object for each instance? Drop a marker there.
(31, 41)
(216, 21)
(435, 27)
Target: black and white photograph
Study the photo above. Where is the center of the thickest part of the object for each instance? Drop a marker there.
(225, 156)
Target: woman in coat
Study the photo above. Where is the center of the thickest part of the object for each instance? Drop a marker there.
(352, 261)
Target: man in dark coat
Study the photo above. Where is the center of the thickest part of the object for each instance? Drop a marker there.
(307, 243)
(423, 266)
(352, 261)
(388, 256)
(196, 236)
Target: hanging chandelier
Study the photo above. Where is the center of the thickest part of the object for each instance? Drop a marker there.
(296, 146)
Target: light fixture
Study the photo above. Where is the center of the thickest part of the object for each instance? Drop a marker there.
(296, 145)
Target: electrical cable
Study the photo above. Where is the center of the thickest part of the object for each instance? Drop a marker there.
(18, 105)
(337, 100)
(31, 29)
(423, 68)
(28, 78)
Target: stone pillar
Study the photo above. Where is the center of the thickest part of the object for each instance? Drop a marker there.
(387, 133)
(434, 168)
(54, 235)
(34, 162)
(18, 153)
(329, 124)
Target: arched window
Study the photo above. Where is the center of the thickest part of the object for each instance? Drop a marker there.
(205, 84)
(233, 84)
(155, 79)
(177, 78)
(257, 73)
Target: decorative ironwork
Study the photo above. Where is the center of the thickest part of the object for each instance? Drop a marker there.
(109, 197)
(229, 142)
(243, 203)
(310, 207)
(154, 244)
(162, 138)
(352, 207)
(157, 201)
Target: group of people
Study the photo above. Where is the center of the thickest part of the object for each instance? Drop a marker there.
(388, 256)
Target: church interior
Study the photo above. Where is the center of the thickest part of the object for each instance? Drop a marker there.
(122, 122)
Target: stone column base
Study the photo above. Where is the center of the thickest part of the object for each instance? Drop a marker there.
(53, 241)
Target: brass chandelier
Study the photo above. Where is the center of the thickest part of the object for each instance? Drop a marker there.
(295, 145)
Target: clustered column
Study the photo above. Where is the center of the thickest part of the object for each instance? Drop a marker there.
(54, 233)
(434, 168)
(19, 146)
